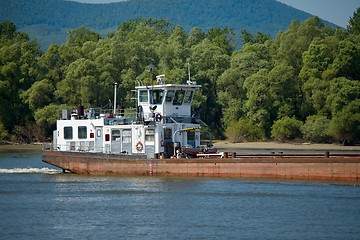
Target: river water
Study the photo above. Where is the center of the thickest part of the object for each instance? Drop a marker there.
(38, 201)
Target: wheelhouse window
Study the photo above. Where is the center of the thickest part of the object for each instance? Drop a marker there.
(191, 136)
(149, 135)
(68, 133)
(156, 96)
(143, 96)
(188, 96)
(169, 96)
(82, 132)
(179, 97)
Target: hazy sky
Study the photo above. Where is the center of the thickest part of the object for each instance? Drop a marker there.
(335, 11)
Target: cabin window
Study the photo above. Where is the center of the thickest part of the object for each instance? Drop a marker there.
(188, 96)
(115, 135)
(156, 96)
(126, 136)
(169, 96)
(149, 135)
(143, 96)
(82, 132)
(68, 133)
(191, 136)
(179, 97)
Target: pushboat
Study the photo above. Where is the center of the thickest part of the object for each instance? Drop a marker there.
(162, 137)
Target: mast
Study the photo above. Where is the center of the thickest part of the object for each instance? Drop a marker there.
(189, 71)
(115, 98)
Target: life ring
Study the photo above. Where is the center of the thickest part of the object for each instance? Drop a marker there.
(158, 117)
(139, 146)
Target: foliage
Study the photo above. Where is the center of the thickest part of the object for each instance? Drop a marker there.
(354, 23)
(345, 125)
(286, 128)
(303, 83)
(316, 129)
(244, 130)
(4, 135)
(47, 22)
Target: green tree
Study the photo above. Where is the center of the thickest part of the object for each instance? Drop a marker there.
(79, 36)
(19, 69)
(209, 61)
(259, 103)
(354, 23)
(196, 36)
(342, 91)
(248, 38)
(284, 91)
(286, 128)
(231, 90)
(290, 45)
(316, 129)
(345, 125)
(80, 84)
(347, 61)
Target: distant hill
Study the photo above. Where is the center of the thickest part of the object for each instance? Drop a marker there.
(49, 20)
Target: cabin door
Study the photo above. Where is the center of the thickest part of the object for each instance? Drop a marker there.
(168, 144)
(98, 139)
(121, 141)
(126, 141)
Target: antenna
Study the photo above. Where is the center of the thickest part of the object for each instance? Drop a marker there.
(189, 71)
(115, 98)
(189, 82)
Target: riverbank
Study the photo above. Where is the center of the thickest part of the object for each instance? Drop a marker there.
(227, 146)
(13, 147)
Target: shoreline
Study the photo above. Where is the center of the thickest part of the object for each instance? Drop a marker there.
(283, 146)
(22, 147)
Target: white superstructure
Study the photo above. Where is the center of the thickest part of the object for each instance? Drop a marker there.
(163, 119)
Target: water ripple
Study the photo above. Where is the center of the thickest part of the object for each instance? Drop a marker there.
(30, 171)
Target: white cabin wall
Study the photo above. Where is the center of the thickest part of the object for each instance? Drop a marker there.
(77, 143)
(138, 137)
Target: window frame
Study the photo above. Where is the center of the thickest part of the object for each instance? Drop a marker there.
(68, 135)
(82, 132)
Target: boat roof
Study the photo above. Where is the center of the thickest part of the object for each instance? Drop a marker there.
(165, 86)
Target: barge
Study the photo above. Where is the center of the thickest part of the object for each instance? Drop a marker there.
(163, 138)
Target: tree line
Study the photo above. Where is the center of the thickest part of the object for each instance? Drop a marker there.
(49, 21)
(302, 85)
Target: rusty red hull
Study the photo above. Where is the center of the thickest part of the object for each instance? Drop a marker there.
(300, 168)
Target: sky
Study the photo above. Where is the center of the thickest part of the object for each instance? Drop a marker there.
(335, 11)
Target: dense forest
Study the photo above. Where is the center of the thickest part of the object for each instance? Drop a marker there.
(304, 84)
(48, 21)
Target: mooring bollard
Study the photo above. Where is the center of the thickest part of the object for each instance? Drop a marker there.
(327, 154)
